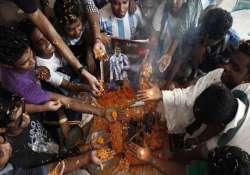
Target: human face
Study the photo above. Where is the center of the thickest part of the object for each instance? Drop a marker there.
(27, 61)
(237, 70)
(117, 52)
(148, 9)
(75, 29)
(41, 45)
(175, 6)
(119, 7)
(5, 151)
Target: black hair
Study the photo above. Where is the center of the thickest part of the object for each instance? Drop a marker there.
(216, 104)
(245, 47)
(67, 11)
(13, 43)
(228, 160)
(27, 27)
(8, 101)
(216, 23)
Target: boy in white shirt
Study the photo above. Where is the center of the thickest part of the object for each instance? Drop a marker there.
(47, 57)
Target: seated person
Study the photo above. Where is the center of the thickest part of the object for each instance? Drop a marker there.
(29, 148)
(75, 31)
(17, 66)
(116, 21)
(228, 160)
(46, 56)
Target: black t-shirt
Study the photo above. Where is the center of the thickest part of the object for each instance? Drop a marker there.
(28, 6)
(34, 146)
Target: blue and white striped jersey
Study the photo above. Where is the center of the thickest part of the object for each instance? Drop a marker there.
(123, 28)
(118, 65)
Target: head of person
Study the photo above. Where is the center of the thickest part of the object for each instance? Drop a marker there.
(148, 8)
(237, 70)
(215, 25)
(69, 17)
(39, 43)
(215, 106)
(117, 51)
(175, 6)
(228, 160)
(15, 51)
(119, 7)
(5, 151)
(12, 114)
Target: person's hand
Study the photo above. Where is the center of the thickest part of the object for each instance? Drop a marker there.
(132, 6)
(95, 85)
(59, 169)
(99, 48)
(91, 64)
(152, 94)
(53, 105)
(164, 62)
(94, 159)
(141, 153)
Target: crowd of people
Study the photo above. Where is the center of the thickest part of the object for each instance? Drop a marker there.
(51, 55)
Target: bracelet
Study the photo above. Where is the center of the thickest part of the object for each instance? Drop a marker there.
(63, 120)
(79, 70)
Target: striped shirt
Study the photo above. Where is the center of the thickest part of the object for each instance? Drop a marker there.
(123, 28)
(89, 6)
(118, 66)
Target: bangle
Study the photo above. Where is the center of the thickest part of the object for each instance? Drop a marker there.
(79, 70)
(63, 120)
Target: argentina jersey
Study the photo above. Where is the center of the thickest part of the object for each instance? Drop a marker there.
(123, 28)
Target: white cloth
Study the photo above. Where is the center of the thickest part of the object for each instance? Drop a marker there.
(241, 138)
(178, 110)
(176, 27)
(178, 103)
(53, 64)
(123, 28)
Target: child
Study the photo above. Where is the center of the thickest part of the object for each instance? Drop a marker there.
(17, 66)
(227, 160)
(47, 57)
(214, 42)
(116, 21)
(26, 139)
(119, 65)
(75, 31)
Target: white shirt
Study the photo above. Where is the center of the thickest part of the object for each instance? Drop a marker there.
(123, 28)
(241, 138)
(178, 103)
(53, 64)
